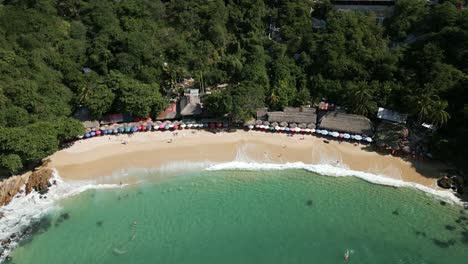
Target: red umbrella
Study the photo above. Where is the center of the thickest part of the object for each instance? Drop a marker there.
(98, 132)
(142, 127)
(149, 119)
(176, 126)
(212, 125)
(220, 124)
(341, 135)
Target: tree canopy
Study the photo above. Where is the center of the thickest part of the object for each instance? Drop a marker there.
(124, 56)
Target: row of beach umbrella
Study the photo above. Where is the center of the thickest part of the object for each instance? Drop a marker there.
(148, 126)
(323, 132)
(343, 135)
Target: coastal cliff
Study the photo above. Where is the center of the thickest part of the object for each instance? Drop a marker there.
(37, 180)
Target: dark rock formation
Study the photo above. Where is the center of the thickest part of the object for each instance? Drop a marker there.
(445, 183)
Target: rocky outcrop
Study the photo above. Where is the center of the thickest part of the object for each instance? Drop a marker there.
(37, 180)
(445, 183)
(10, 187)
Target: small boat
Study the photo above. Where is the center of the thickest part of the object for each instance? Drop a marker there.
(346, 255)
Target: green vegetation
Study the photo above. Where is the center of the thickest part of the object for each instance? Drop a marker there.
(416, 62)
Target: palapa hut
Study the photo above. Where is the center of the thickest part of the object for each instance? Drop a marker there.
(171, 112)
(190, 106)
(293, 115)
(262, 113)
(342, 122)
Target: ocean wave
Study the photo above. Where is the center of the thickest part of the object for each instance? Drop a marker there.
(24, 209)
(336, 171)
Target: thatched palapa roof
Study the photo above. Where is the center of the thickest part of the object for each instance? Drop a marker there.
(342, 122)
(190, 105)
(293, 115)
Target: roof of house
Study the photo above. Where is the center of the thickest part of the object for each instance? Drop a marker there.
(169, 112)
(390, 115)
(262, 113)
(293, 115)
(90, 124)
(190, 105)
(342, 122)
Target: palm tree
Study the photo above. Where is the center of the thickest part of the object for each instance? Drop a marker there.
(362, 102)
(422, 106)
(274, 98)
(438, 115)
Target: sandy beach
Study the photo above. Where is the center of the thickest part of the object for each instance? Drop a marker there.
(107, 155)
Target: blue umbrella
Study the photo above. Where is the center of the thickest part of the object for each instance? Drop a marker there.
(93, 133)
(87, 135)
(287, 129)
(121, 129)
(134, 129)
(115, 131)
(225, 124)
(149, 127)
(104, 132)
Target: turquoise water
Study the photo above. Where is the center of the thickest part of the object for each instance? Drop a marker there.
(289, 216)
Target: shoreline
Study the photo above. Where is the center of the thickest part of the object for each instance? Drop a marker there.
(102, 162)
(105, 156)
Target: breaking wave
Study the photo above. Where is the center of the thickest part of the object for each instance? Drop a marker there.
(25, 210)
(335, 171)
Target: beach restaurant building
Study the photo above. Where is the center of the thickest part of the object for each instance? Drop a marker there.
(300, 116)
(347, 123)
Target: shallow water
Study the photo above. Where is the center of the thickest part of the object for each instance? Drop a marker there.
(290, 216)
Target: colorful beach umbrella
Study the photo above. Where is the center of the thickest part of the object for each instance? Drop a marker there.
(87, 135)
(297, 129)
(277, 128)
(346, 136)
(176, 127)
(368, 139)
(134, 129)
(250, 126)
(312, 130)
(324, 132)
(357, 137)
(92, 133)
(334, 134)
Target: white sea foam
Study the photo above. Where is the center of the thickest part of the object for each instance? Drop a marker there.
(336, 171)
(24, 209)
